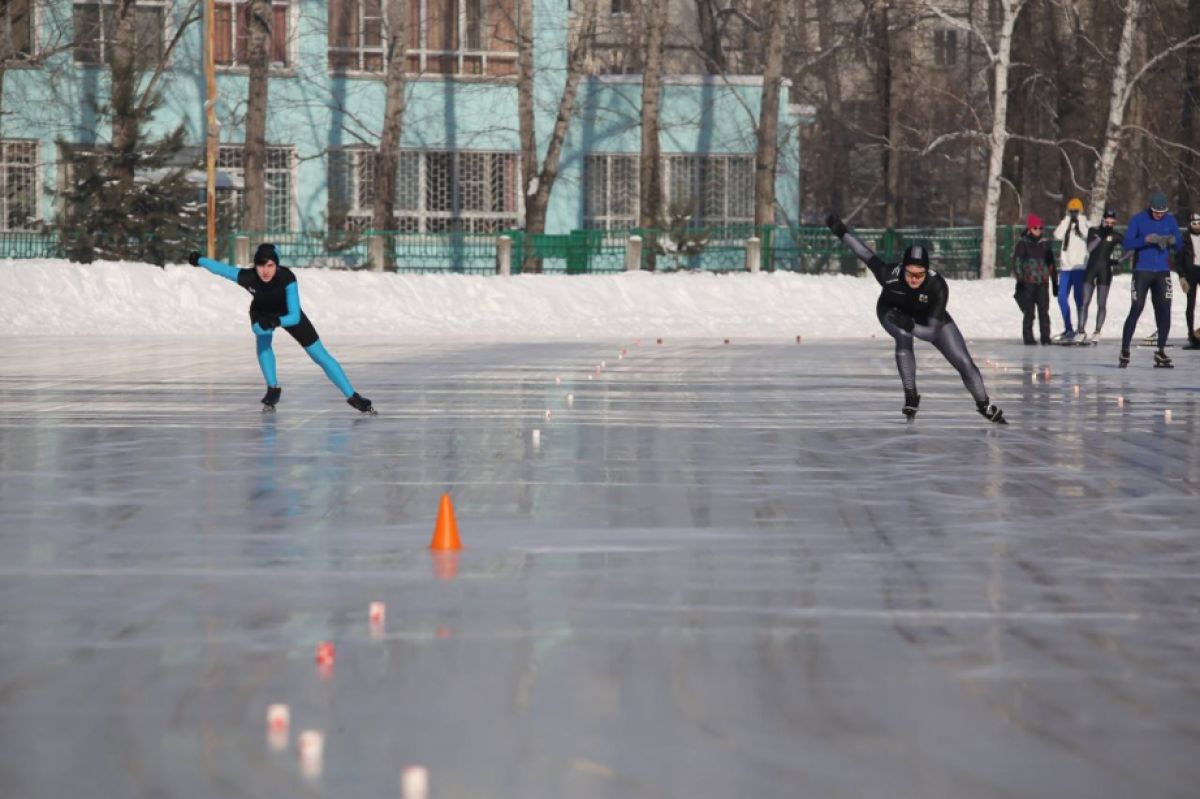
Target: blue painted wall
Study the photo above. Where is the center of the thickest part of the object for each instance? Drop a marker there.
(314, 110)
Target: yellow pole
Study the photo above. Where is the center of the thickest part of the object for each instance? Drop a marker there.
(213, 127)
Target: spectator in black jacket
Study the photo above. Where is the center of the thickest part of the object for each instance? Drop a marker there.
(1187, 264)
(1033, 267)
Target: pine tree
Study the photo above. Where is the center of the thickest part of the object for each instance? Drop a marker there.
(130, 199)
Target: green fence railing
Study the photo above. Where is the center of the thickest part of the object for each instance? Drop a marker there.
(811, 250)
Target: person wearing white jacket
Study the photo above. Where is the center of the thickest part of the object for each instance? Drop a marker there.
(1072, 231)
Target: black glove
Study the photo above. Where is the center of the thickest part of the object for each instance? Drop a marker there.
(194, 257)
(268, 322)
(835, 223)
(1054, 287)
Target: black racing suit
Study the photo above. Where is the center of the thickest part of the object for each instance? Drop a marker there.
(1104, 247)
(906, 313)
(1033, 267)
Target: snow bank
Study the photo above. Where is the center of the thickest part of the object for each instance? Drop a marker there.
(107, 298)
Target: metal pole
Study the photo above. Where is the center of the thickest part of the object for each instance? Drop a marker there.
(213, 127)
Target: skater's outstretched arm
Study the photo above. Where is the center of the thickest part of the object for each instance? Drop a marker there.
(216, 267)
(859, 248)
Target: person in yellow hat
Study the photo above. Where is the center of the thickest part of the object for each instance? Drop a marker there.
(1072, 231)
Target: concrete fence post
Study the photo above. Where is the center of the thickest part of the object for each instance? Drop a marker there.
(241, 250)
(633, 254)
(753, 254)
(375, 245)
(504, 255)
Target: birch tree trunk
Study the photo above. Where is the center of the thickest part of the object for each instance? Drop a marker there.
(1185, 194)
(259, 57)
(767, 155)
(999, 135)
(387, 157)
(538, 179)
(1117, 103)
(650, 172)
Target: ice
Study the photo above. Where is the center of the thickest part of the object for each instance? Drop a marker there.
(727, 570)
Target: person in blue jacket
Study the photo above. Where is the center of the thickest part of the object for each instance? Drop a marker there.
(1151, 236)
(276, 303)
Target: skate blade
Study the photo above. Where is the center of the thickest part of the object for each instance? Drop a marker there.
(268, 409)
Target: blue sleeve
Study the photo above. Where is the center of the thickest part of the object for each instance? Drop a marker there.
(292, 292)
(221, 269)
(1134, 238)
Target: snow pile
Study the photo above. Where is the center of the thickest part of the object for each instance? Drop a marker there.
(62, 298)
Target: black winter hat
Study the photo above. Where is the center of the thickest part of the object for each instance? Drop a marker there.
(916, 255)
(1194, 218)
(1158, 202)
(264, 253)
(1110, 213)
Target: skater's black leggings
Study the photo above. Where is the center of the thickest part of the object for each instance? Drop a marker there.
(948, 341)
(1158, 286)
(1190, 308)
(1101, 289)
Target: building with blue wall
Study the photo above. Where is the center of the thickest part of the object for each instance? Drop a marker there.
(460, 166)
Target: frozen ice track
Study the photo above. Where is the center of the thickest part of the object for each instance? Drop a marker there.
(726, 571)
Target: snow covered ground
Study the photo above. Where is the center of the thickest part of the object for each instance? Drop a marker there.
(721, 571)
(61, 298)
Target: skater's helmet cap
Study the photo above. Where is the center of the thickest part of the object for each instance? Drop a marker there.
(1032, 221)
(1158, 202)
(1076, 204)
(1194, 218)
(264, 253)
(916, 255)
(1110, 213)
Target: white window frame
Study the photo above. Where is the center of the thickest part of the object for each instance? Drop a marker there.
(6, 148)
(289, 47)
(102, 43)
(33, 25)
(231, 159)
(421, 218)
(362, 51)
(462, 52)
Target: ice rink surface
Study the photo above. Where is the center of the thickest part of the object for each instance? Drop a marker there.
(726, 571)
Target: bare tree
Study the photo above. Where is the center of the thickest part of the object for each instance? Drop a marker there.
(650, 173)
(538, 178)
(712, 45)
(767, 152)
(1186, 195)
(387, 157)
(258, 55)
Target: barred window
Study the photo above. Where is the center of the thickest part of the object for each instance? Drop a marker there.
(611, 186)
(436, 191)
(16, 28)
(18, 185)
(719, 189)
(95, 23)
(452, 37)
(231, 159)
(231, 33)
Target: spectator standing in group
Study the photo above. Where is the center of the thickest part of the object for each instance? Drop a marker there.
(1072, 231)
(1187, 264)
(1033, 268)
(1104, 244)
(1151, 235)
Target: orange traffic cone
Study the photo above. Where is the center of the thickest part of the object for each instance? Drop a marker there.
(445, 531)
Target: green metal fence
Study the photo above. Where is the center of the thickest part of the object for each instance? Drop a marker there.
(24, 244)
(813, 250)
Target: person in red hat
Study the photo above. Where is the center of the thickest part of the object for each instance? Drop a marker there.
(1033, 267)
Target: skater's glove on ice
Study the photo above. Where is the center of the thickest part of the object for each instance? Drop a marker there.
(194, 257)
(835, 223)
